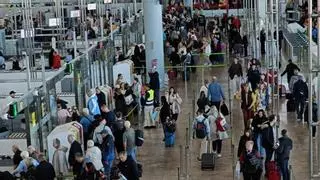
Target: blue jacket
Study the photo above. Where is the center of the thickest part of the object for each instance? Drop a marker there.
(93, 106)
(86, 121)
(107, 148)
(215, 93)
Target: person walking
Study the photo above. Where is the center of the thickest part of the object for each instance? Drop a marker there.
(283, 154)
(201, 127)
(175, 103)
(300, 94)
(250, 163)
(235, 73)
(290, 69)
(246, 102)
(215, 93)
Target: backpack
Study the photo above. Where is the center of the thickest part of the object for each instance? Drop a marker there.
(201, 131)
(219, 124)
(139, 137)
(170, 126)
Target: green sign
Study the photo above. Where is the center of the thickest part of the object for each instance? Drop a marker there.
(13, 109)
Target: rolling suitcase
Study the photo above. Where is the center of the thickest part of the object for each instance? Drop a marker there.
(207, 159)
(273, 172)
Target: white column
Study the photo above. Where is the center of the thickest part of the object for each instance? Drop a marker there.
(152, 11)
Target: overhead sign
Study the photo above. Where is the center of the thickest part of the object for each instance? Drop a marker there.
(92, 6)
(107, 1)
(75, 13)
(54, 22)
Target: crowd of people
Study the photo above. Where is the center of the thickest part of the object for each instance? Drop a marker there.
(110, 142)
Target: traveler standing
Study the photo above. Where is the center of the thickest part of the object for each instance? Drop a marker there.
(202, 101)
(44, 170)
(75, 147)
(107, 150)
(129, 143)
(259, 123)
(94, 154)
(175, 103)
(215, 93)
(149, 108)
(16, 157)
(283, 154)
(128, 166)
(155, 85)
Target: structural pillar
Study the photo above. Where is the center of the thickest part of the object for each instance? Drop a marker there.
(152, 11)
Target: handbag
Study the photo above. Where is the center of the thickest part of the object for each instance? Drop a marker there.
(238, 170)
(179, 100)
(223, 135)
(224, 109)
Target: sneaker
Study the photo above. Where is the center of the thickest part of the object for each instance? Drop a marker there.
(219, 155)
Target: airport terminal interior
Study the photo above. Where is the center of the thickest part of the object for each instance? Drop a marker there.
(159, 89)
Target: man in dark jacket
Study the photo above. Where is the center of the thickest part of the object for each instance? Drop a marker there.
(155, 85)
(283, 154)
(44, 170)
(290, 68)
(16, 157)
(128, 166)
(75, 147)
(108, 115)
(101, 97)
(300, 94)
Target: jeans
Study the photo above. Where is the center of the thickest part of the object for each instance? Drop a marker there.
(247, 115)
(217, 145)
(132, 152)
(217, 105)
(107, 168)
(299, 104)
(261, 150)
(284, 169)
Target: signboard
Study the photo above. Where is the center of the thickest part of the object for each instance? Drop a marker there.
(23, 34)
(92, 6)
(75, 13)
(107, 1)
(54, 22)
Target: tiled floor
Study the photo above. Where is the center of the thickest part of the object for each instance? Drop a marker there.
(160, 163)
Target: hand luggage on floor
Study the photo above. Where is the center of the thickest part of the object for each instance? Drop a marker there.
(273, 172)
(169, 139)
(290, 105)
(208, 158)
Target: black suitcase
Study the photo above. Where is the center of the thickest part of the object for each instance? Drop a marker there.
(207, 159)
(290, 106)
